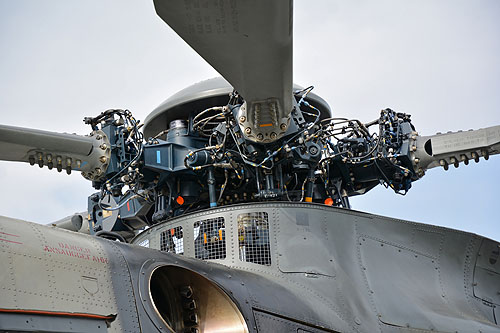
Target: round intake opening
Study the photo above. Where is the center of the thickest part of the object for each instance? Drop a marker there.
(189, 302)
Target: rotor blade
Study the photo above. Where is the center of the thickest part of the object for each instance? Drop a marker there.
(59, 150)
(249, 42)
(454, 148)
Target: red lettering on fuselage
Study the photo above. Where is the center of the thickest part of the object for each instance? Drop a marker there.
(75, 252)
(103, 260)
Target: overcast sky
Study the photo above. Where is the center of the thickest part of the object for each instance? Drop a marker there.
(437, 60)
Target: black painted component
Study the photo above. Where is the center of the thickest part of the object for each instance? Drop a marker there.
(199, 158)
(207, 160)
(211, 187)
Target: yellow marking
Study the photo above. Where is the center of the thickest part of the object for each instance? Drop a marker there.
(204, 238)
(309, 199)
(106, 213)
(220, 234)
(265, 125)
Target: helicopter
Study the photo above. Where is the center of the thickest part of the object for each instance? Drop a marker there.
(303, 328)
(440, 209)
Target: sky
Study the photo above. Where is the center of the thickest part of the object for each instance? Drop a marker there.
(436, 60)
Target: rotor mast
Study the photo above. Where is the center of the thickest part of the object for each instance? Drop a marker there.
(250, 44)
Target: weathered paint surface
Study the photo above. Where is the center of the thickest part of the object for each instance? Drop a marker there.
(331, 270)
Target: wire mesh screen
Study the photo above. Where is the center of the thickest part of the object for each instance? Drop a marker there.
(144, 243)
(171, 240)
(253, 238)
(210, 239)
